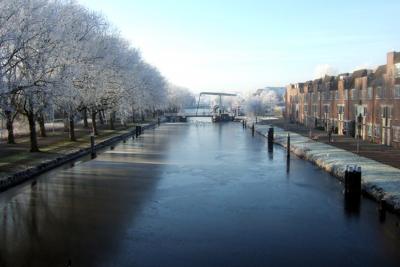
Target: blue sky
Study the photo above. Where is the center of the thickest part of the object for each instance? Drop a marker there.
(230, 45)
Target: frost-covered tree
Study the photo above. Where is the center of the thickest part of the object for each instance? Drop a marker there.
(151, 89)
(11, 43)
(260, 103)
(59, 55)
(179, 98)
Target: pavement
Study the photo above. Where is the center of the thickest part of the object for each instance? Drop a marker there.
(381, 153)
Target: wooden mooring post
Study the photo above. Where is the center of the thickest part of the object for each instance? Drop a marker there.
(352, 181)
(137, 130)
(270, 135)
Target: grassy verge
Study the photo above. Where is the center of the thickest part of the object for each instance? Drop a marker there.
(14, 158)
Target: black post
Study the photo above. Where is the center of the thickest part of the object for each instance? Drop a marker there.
(288, 145)
(137, 129)
(352, 180)
(158, 121)
(92, 148)
(270, 139)
(243, 124)
(252, 129)
(270, 135)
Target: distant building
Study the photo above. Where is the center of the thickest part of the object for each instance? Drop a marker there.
(363, 104)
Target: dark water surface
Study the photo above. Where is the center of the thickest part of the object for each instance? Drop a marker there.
(195, 194)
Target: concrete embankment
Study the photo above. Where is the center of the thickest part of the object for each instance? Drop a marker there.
(29, 173)
(379, 180)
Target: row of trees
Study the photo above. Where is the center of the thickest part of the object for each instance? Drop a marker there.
(261, 102)
(57, 55)
(179, 98)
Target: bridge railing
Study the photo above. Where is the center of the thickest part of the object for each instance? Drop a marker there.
(187, 114)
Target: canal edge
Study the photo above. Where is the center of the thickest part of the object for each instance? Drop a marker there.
(370, 190)
(31, 172)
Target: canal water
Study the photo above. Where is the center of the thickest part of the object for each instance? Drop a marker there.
(192, 194)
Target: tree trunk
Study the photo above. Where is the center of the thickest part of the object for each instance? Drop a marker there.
(133, 116)
(142, 113)
(94, 125)
(10, 128)
(112, 118)
(42, 126)
(32, 133)
(71, 128)
(85, 121)
(66, 124)
(101, 117)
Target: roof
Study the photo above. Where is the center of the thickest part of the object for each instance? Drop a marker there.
(357, 74)
(317, 85)
(378, 77)
(396, 57)
(309, 85)
(380, 71)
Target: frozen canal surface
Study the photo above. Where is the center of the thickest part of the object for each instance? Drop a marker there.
(195, 194)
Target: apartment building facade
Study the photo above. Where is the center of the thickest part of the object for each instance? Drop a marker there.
(364, 104)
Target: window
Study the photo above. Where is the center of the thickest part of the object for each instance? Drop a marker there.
(397, 91)
(326, 108)
(369, 130)
(336, 94)
(315, 97)
(386, 112)
(340, 109)
(397, 70)
(354, 94)
(369, 94)
(346, 94)
(396, 133)
(377, 130)
(379, 92)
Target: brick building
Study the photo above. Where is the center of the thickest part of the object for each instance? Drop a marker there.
(363, 104)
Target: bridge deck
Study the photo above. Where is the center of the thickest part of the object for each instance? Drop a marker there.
(187, 115)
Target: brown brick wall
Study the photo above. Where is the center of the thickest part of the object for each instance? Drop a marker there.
(337, 102)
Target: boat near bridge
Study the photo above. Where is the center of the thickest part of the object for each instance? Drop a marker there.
(219, 112)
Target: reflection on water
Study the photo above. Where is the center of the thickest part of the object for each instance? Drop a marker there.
(287, 164)
(194, 194)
